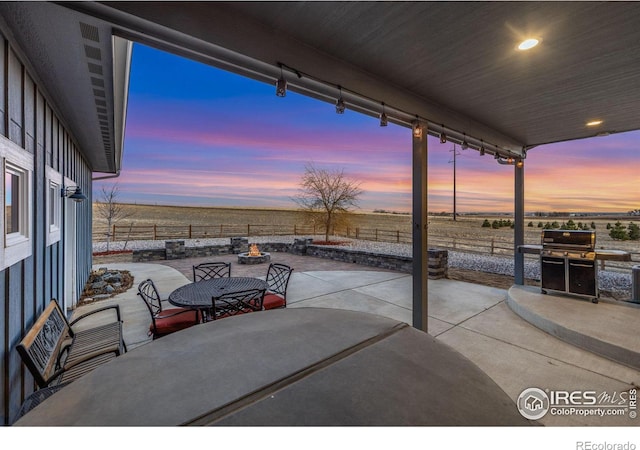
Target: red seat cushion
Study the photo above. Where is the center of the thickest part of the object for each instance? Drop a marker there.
(272, 301)
(167, 322)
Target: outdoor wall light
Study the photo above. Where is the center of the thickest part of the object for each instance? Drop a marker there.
(74, 193)
(509, 161)
(594, 123)
(443, 136)
(465, 144)
(340, 106)
(482, 148)
(417, 129)
(281, 85)
(383, 118)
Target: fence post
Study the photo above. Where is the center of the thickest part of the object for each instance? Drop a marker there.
(248, 230)
(155, 232)
(397, 236)
(189, 231)
(357, 232)
(220, 230)
(114, 232)
(376, 235)
(492, 245)
(295, 229)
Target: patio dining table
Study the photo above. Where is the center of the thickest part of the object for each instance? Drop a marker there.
(200, 294)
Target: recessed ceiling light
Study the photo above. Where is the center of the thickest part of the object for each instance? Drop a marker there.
(594, 123)
(528, 44)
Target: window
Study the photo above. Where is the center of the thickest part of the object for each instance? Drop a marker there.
(16, 203)
(54, 205)
(17, 171)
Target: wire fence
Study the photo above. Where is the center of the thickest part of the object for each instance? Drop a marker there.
(493, 247)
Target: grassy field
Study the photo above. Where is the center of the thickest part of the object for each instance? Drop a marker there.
(465, 227)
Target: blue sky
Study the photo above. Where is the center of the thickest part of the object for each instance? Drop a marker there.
(196, 135)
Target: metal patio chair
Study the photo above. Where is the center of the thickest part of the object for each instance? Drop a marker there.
(208, 270)
(278, 280)
(236, 303)
(165, 321)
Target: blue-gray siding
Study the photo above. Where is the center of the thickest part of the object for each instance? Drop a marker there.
(29, 118)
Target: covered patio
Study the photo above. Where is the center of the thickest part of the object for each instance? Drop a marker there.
(445, 69)
(475, 320)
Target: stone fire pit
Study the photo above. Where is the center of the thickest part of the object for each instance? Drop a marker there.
(254, 256)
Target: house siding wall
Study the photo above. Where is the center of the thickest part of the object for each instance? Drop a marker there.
(29, 119)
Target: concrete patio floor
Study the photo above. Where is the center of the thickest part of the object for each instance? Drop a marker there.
(473, 319)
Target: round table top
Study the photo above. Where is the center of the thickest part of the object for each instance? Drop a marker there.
(293, 366)
(200, 294)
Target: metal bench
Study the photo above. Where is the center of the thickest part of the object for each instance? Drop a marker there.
(55, 353)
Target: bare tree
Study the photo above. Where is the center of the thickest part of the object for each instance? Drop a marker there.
(328, 193)
(110, 210)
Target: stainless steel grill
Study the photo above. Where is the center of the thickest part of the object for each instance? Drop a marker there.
(568, 263)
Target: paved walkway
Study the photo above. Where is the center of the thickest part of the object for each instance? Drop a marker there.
(473, 319)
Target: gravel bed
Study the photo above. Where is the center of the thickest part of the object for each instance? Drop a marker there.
(616, 282)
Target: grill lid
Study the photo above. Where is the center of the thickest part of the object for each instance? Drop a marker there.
(569, 239)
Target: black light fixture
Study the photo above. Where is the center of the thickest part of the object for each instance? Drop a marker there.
(383, 118)
(74, 193)
(443, 136)
(281, 85)
(482, 148)
(340, 106)
(465, 144)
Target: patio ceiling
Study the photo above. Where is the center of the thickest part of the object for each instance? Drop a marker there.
(450, 63)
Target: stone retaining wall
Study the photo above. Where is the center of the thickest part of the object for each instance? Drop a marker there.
(438, 259)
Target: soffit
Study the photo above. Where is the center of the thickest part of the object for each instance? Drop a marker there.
(72, 57)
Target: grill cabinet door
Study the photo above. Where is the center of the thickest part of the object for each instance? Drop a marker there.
(553, 273)
(582, 277)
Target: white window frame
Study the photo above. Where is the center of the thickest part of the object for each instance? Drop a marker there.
(54, 205)
(19, 245)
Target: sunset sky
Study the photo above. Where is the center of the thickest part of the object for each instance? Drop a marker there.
(196, 135)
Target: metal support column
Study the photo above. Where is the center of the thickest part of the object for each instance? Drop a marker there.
(518, 229)
(420, 254)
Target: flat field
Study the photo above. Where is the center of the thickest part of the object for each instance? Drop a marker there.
(467, 227)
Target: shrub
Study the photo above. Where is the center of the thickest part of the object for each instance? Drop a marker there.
(530, 224)
(634, 231)
(618, 232)
(486, 223)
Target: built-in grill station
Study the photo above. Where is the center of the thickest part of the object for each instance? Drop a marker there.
(568, 263)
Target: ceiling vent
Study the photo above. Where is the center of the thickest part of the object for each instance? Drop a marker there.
(92, 52)
(89, 32)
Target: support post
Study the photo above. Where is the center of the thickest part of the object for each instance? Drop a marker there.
(518, 229)
(420, 246)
